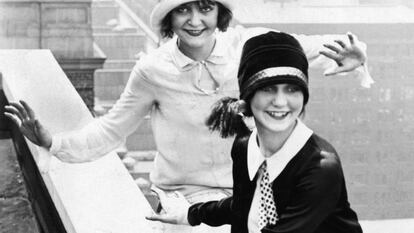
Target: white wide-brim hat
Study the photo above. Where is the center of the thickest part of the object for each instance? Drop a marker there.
(165, 6)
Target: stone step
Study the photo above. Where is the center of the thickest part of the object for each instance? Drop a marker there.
(139, 163)
(109, 83)
(110, 77)
(141, 139)
(102, 106)
(143, 167)
(102, 29)
(141, 8)
(108, 93)
(110, 29)
(147, 5)
(142, 155)
(103, 12)
(102, 2)
(121, 45)
(119, 64)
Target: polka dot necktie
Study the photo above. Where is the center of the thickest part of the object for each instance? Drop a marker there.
(267, 207)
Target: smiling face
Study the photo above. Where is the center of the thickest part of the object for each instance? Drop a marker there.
(275, 108)
(195, 24)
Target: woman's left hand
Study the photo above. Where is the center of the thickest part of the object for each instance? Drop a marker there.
(347, 56)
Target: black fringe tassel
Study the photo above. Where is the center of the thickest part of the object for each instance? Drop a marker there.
(225, 118)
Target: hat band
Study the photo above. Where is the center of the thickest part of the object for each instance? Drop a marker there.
(276, 71)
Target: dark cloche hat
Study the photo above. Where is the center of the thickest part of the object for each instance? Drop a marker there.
(272, 58)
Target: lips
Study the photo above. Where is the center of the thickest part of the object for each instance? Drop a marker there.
(279, 115)
(194, 32)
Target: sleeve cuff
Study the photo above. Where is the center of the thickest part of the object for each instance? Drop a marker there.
(364, 76)
(56, 145)
(192, 215)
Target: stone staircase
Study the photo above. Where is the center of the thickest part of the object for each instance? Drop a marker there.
(141, 8)
(121, 43)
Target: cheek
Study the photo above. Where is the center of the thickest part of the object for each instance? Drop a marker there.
(212, 19)
(176, 21)
(297, 103)
(259, 102)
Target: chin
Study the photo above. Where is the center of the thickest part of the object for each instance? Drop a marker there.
(278, 129)
(281, 127)
(197, 44)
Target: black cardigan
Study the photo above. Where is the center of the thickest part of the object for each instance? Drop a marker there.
(310, 194)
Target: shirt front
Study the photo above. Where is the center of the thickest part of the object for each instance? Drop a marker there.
(190, 157)
(275, 165)
(174, 90)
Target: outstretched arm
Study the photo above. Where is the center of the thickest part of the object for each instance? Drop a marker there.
(96, 138)
(335, 54)
(176, 210)
(105, 133)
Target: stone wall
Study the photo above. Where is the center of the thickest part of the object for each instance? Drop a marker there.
(63, 26)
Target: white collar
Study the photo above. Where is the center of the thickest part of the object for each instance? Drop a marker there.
(278, 161)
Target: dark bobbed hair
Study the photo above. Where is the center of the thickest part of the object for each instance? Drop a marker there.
(284, 79)
(223, 19)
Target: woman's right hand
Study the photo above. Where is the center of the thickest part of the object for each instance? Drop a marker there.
(24, 117)
(175, 208)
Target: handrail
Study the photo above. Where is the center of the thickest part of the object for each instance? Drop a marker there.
(98, 196)
(139, 22)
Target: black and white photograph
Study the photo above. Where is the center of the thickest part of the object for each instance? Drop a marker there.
(206, 116)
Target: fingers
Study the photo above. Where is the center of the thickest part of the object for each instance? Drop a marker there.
(330, 73)
(19, 110)
(341, 43)
(162, 218)
(11, 109)
(14, 118)
(28, 109)
(338, 70)
(20, 113)
(351, 38)
(331, 47)
(332, 56)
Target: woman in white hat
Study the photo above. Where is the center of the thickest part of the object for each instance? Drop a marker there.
(177, 84)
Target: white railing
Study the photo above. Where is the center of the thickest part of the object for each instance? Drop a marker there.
(92, 197)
